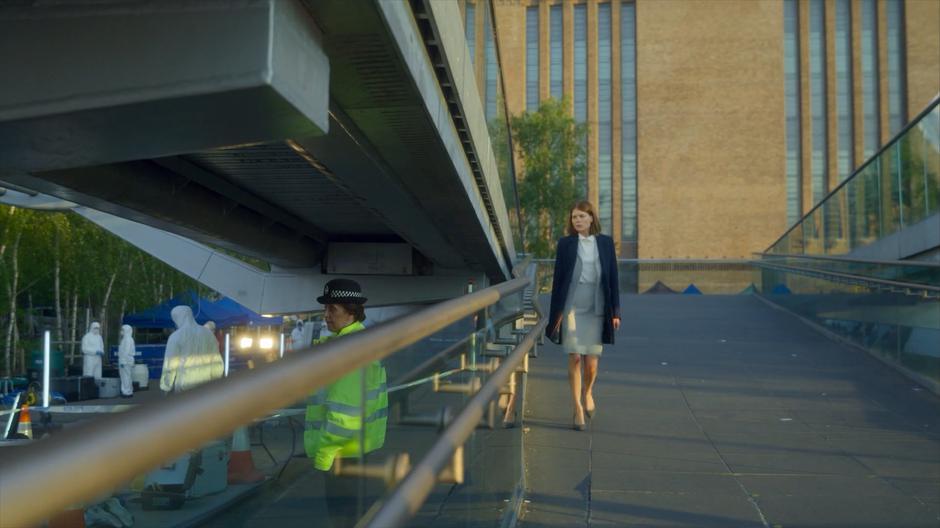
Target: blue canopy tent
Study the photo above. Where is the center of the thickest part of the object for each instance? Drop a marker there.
(224, 312)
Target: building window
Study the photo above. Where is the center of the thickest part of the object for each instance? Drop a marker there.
(532, 58)
(817, 98)
(897, 102)
(791, 80)
(492, 73)
(843, 51)
(871, 121)
(628, 121)
(470, 20)
(556, 37)
(604, 129)
(580, 79)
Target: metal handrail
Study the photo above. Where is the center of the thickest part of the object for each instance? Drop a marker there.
(543, 260)
(70, 468)
(411, 493)
(836, 258)
(849, 276)
(437, 360)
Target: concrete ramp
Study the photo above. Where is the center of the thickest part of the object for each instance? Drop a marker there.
(723, 411)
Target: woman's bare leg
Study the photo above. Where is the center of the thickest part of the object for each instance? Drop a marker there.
(590, 376)
(574, 379)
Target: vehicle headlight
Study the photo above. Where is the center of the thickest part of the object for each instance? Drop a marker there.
(266, 343)
(245, 342)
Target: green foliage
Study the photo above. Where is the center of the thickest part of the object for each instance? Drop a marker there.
(551, 148)
(89, 259)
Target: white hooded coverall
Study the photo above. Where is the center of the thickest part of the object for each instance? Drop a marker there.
(192, 354)
(92, 351)
(297, 337)
(126, 351)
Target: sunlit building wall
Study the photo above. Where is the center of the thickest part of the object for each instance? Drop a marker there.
(715, 125)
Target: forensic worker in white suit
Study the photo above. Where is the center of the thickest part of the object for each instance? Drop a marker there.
(126, 353)
(92, 351)
(297, 337)
(192, 354)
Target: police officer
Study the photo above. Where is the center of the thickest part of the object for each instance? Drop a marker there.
(339, 423)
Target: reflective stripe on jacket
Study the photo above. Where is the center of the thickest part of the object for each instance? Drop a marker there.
(335, 415)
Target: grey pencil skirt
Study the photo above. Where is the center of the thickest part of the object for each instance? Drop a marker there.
(582, 327)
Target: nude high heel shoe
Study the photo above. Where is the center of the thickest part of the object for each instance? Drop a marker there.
(578, 426)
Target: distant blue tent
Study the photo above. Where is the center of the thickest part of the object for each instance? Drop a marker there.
(751, 288)
(224, 312)
(780, 289)
(659, 289)
(692, 290)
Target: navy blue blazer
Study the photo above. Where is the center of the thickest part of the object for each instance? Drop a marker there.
(566, 255)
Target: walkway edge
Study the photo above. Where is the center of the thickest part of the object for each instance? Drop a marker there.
(514, 506)
(924, 381)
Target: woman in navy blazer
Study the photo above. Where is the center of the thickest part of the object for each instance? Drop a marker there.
(585, 306)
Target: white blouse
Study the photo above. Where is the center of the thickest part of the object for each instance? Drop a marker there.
(587, 252)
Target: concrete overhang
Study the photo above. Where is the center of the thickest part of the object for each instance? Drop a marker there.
(377, 159)
(88, 83)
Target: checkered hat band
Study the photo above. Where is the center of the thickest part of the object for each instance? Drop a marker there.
(340, 294)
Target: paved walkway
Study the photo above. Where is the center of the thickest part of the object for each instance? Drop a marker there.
(722, 411)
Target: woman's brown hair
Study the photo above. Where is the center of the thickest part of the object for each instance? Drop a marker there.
(586, 207)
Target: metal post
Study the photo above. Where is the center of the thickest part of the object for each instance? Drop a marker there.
(46, 345)
(16, 402)
(473, 336)
(282, 345)
(228, 343)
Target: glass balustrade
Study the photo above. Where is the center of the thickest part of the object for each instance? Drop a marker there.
(899, 327)
(279, 469)
(897, 189)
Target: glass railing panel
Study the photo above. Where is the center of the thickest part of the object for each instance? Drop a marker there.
(834, 211)
(929, 128)
(926, 273)
(896, 188)
(901, 329)
(795, 244)
(482, 43)
(814, 233)
(322, 461)
(889, 188)
(857, 223)
(912, 177)
(871, 209)
(497, 118)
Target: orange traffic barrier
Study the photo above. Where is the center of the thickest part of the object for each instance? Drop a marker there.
(241, 468)
(25, 426)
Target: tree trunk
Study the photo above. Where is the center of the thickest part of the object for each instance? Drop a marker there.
(57, 287)
(103, 318)
(74, 326)
(3, 246)
(30, 315)
(11, 289)
(16, 347)
(123, 308)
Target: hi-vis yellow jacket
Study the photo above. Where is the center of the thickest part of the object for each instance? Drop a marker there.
(336, 415)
